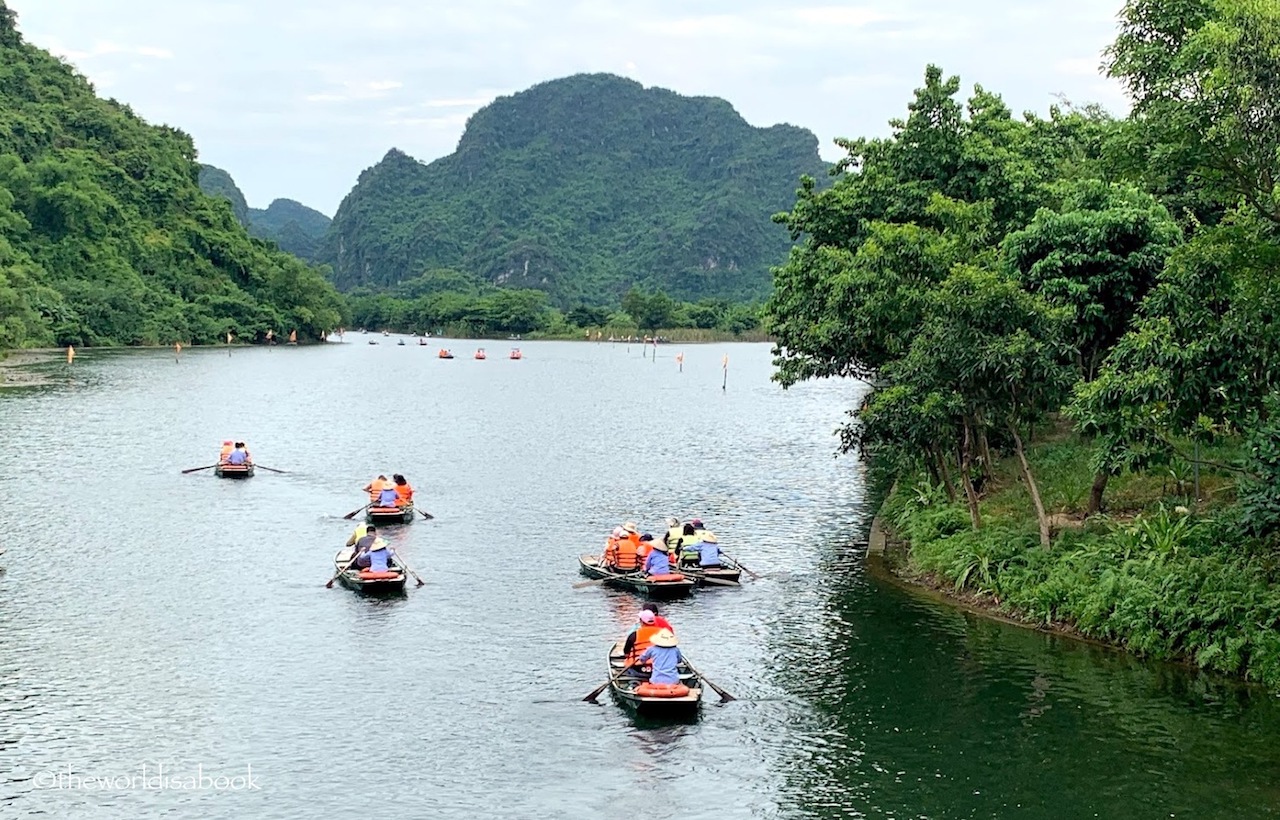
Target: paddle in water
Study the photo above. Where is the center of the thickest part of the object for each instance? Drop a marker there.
(725, 697)
(272, 469)
(344, 569)
(407, 568)
(591, 698)
(198, 469)
(740, 564)
(427, 515)
(355, 512)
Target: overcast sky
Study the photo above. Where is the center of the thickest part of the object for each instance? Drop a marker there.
(296, 97)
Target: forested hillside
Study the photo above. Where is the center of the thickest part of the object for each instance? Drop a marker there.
(105, 236)
(1069, 329)
(293, 226)
(582, 187)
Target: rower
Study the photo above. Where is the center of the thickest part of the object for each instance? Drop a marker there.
(387, 496)
(239, 455)
(664, 656)
(709, 551)
(658, 563)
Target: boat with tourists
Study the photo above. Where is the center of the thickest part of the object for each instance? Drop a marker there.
(727, 574)
(480, 354)
(660, 587)
(444, 354)
(380, 516)
(516, 354)
(367, 581)
(633, 691)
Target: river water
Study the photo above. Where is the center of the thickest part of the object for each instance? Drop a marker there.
(152, 618)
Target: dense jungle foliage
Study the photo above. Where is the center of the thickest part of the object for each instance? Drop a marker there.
(581, 188)
(1067, 328)
(105, 236)
(294, 227)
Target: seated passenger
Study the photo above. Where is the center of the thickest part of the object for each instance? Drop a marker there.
(658, 563)
(404, 491)
(387, 496)
(709, 551)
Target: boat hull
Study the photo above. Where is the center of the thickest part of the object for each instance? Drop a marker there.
(637, 582)
(624, 692)
(233, 471)
(384, 516)
(351, 579)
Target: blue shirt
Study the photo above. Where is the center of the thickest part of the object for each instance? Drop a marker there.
(387, 498)
(710, 554)
(664, 660)
(378, 560)
(657, 563)
(237, 457)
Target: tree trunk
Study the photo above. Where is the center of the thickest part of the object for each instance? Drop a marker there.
(934, 478)
(1099, 487)
(966, 467)
(946, 475)
(1031, 486)
(985, 451)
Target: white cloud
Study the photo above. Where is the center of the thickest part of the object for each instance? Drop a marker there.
(351, 80)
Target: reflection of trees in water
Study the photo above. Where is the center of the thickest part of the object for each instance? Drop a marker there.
(904, 706)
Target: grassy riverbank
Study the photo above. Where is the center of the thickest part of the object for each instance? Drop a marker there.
(1159, 574)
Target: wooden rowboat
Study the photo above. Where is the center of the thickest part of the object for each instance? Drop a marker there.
(591, 566)
(728, 572)
(233, 471)
(627, 690)
(378, 516)
(366, 582)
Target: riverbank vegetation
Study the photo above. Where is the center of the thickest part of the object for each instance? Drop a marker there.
(105, 236)
(464, 304)
(1067, 329)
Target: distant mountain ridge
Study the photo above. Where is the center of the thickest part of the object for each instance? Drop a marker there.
(297, 229)
(582, 187)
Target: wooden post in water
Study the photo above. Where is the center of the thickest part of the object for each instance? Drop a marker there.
(724, 384)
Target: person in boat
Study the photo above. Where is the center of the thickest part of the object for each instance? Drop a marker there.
(687, 545)
(625, 549)
(658, 563)
(663, 657)
(357, 534)
(240, 455)
(404, 491)
(645, 547)
(387, 496)
(227, 447)
(673, 533)
(374, 488)
(372, 552)
(709, 551)
(641, 635)
(658, 620)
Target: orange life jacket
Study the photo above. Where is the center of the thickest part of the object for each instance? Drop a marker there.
(404, 493)
(610, 551)
(644, 639)
(224, 452)
(627, 552)
(375, 489)
(643, 550)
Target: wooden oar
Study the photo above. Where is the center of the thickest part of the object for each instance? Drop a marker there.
(741, 566)
(591, 698)
(427, 515)
(344, 569)
(272, 469)
(353, 513)
(724, 582)
(725, 697)
(198, 469)
(407, 568)
(582, 584)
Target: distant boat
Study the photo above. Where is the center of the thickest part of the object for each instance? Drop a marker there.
(516, 354)
(373, 341)
(401, 342)
(444, 354)
(385, 333)
(480, 354)
(422, 342)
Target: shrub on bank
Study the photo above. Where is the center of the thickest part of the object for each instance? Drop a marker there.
(1167, 583)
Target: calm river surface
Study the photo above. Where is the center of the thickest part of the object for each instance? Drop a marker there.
(150, 617)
